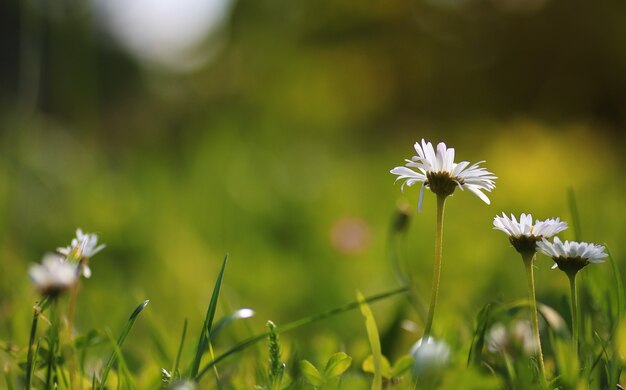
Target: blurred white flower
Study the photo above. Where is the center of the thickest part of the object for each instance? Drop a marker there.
(517, 336)
(523, 234)
(439, 172)
(172, 34)
(53, 276)
(430, 358)
(182, 385)
(81, 249)
(571, 255)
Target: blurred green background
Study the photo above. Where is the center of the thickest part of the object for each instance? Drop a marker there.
(267, 129)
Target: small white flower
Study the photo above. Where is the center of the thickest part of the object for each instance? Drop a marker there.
(571, 256)
(53, 276)
(523, 234)
(430, 358)
(518, 335)
(441, 174)
(81, 249)
(525, 227)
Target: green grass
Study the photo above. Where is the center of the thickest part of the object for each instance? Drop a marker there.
(285, 265)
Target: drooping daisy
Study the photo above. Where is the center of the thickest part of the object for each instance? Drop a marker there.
(571, 256)
(439, 172)
(81, 249)
(53, 276)
(523, 235)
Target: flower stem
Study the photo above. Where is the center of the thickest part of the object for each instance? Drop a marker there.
(529, 260)
(441, 203)
(53, 343)
(72, 308)
(31, 341)
(572, 286)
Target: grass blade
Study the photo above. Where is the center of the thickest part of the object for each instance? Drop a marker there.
(31, 341)
(619, 286)
(296, 324)
(372, 335)
(8, 379)
(120, 341)
(122, 367)
(203, 342)
(482, 324)
(180, 349)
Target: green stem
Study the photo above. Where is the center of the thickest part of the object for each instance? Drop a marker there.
(441, 203)
(529, 260)
(31, 341)
(574, 298)
(53, 340)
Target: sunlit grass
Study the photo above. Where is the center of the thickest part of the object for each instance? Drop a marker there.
(166, 230)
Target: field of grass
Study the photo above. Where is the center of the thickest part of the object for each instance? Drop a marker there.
(294, 255)
(275, 153)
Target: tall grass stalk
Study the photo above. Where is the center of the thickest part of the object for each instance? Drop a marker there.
(276, 367)
(441, 203)
(120, 341)
(204, 339)
(529, 263)
(180, 350)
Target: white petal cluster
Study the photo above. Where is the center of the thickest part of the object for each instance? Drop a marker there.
(585, 251)
(525, 227)
(53, 275)
(503, 339)
(85, 245)
(473, 178)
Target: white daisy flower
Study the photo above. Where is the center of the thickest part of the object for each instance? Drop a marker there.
(571, 256)
(81, 249)
(439, 172)
(523, 234)
(53, 276)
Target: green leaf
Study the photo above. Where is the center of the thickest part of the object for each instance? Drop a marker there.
(203, 341)
(368, 366)
(311, 373)
(117, 348)
(402, 364)
(372, 335)
(337, 364)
